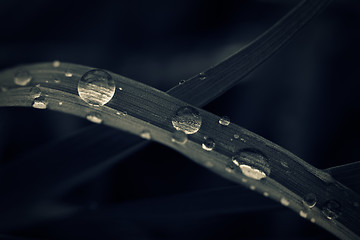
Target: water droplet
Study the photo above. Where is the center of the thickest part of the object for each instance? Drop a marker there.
(266, 194)
(68, 73)
(39, 103)
(252, 163)
(120, 89)
(252, 187)
(302, 214)
(56, 63)
(179, 137)
(187, 119)
(284, 202)
(96, 87)
(225, 121)
(121, 113)
(229, 170)
(312, 220)
(310, 200)
(22, 77)
(236, 136)
(94, 117)
(60, 103)
(208, 144)
(145, 135)
(182, 82)
(35, 92)
(202, 76)
(57, 81)
(244, 180)
(331, 209)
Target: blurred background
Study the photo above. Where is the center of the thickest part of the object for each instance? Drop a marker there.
(305, 98)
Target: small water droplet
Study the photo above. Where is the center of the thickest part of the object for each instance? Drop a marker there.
(266, 194)
(202, 76)
(229, 170)
(310, 200)
(208, 144)
(60, 103)
(187, 119)
(182, 82)
(302, 214)
(120, 89)
(96, 87)
(145, 135)
(94, 117)
(46, 81)
(225, 121)
(39, 103)
(244, 180)
(179, 137)
(35, 92)
(3, 89)
(22, 77)
(68, 73)
(331, 209)
(312, 220)
(284, 202)
(57, 81)
(252, 163)
(252, 187)
(56, 63)
(236, 136)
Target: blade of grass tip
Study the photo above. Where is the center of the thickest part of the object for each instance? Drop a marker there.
(211, 145)
(199, 204)
(203, 88)
(348, 174)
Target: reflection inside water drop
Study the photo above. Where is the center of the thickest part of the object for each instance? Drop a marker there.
(39, 103)
(179, 137)
(96, 87)
(187, 119)
(252, 164)
(208, 144)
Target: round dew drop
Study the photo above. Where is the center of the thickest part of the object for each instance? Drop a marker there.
(56, 63)
(208, 144)
(284, 202)
(187, 119)
(225, 121)
(179, 137)
(252, 164)
(310, 200)
(96, 87)
(22, 78)
(35, 92)
(68, 73)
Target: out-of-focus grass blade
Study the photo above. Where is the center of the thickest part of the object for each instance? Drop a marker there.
(180, 207)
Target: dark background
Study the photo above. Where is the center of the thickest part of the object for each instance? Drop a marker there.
(305, 98)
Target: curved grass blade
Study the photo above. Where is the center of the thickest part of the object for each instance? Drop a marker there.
(204, 87)
(152, 111)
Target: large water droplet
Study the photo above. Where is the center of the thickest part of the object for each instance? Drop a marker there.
(310, 200)
(35, 92)
(252, 163)
(145, 135)
(179, 137)
(187, 119)
(94, 117)
(96, 87)
(39, 103)
(22, 77)
(208, 144)
(331, 209)
(225, 121)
